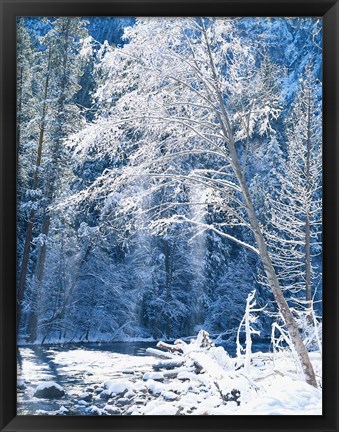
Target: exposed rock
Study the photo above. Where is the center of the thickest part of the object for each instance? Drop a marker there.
(140, 387)
(169, 396)
(131, 410)
(156, 376)
(21, 385)
(112, 410)
(94, 411)
(50, 390)
(123, 402)
(155, 388)
(62, 411)
(193, 389)
(233, 396)
(105, 394)
(87, 397)
(89, 389)
(185, 376)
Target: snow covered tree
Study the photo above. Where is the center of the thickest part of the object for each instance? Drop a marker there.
(33, 83)
(229, 297)
(184, 89)
(295, 234)
(248, 320)
(64, 43)
(56, 71)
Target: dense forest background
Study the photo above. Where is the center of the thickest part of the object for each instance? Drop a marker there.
(106, 252)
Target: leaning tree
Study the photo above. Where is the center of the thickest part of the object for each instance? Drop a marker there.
(182, 101)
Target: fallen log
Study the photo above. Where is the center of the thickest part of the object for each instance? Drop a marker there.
(178, 348)
(159, 354)
(168, 364)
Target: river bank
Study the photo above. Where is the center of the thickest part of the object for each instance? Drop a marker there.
(97, 381)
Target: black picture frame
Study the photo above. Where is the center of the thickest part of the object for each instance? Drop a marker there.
(329, 11)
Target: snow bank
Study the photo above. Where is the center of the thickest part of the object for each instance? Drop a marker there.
(197, 380)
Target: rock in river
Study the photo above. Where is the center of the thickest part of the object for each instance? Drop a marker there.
(49, 389)
(87, 397)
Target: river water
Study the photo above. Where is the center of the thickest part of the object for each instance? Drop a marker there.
(80, 368)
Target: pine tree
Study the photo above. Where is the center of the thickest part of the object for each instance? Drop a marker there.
(60, 68)
(33, 83)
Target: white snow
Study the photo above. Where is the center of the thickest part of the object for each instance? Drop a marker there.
(155, 387)
(273, 387)
(63, 410)
(169, 396)
(285, 396)
(117, 387)
(94, 410)
(186, 375)
(156, 376)
(48, 384)
(162, 409)
(139, 386)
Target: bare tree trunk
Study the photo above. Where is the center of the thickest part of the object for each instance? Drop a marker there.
(43, 250)
(263, 252)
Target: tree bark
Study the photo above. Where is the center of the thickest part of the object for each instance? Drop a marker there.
(43, 250)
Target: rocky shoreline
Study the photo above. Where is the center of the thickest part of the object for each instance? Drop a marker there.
(180, 379)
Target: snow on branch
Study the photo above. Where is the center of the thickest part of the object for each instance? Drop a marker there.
(248, 319)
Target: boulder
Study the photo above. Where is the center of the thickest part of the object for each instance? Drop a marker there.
(87, 397)
(21, 385)
(123, 402)
(94, 411)
(106, 394)
(170, 396)
(155, 376)
(112, 410)
(117, 387)
(49, 390)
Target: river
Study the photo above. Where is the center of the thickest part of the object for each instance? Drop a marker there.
(80, 368)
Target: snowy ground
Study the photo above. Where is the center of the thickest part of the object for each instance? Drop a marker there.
(203, 382)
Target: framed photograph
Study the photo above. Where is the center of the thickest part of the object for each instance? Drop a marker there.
(169, 212)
